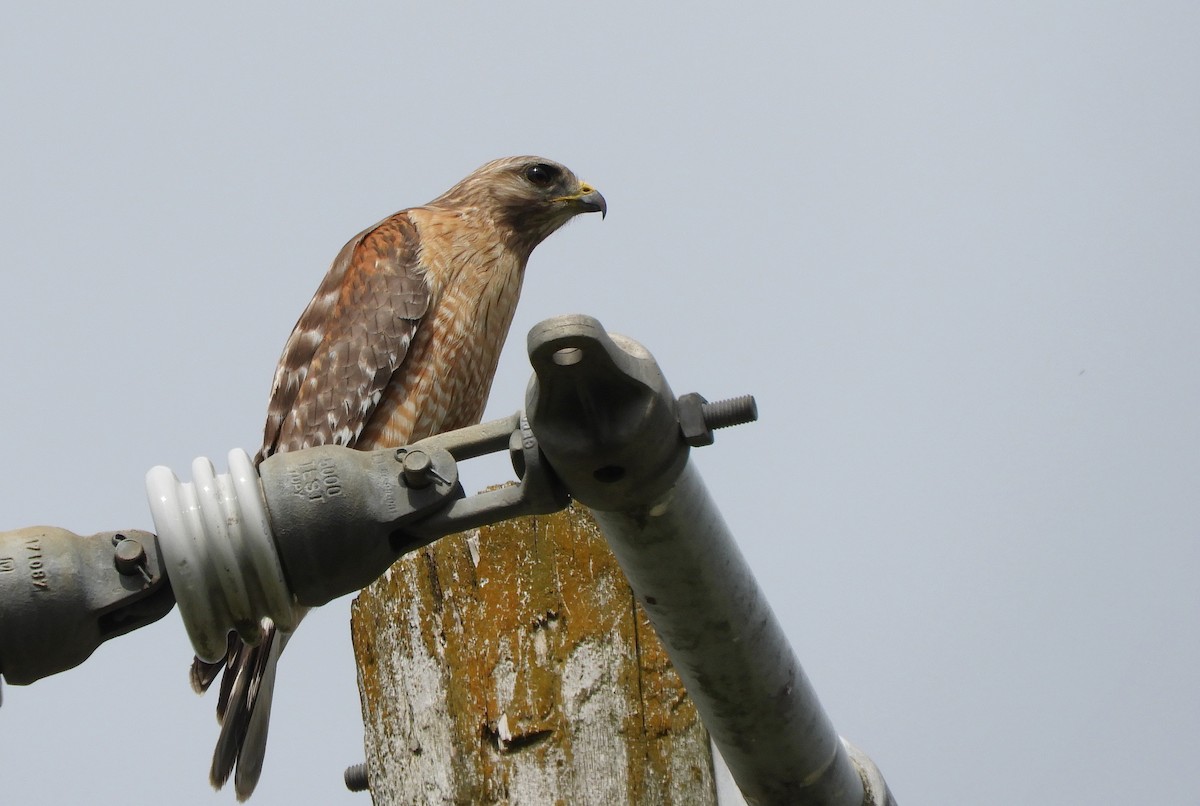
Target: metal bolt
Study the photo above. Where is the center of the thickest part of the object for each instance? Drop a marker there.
(731, 411)
(356, 777)
(417, 465)
(129, 556)
(698, 418)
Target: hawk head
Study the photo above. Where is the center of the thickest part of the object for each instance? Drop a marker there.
(527, 197)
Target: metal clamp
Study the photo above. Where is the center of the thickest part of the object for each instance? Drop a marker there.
(539, 491)
(308, 526)
(63, 595)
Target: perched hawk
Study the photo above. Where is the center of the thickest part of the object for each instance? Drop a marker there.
(400, 342)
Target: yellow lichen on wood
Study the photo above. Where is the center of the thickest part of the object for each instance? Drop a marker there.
(511, 665)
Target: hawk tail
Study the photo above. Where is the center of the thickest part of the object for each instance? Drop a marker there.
(243, 708)
(204, 673)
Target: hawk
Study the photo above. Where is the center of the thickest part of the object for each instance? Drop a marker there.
(399, 342)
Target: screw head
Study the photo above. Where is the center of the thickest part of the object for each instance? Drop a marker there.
(417, 465)
(129, 556)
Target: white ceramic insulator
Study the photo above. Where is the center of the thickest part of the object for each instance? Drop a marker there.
(216, 542)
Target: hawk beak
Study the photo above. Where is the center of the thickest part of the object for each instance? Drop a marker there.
(590, 200)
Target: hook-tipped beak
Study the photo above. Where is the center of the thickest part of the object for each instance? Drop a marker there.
(590, 200)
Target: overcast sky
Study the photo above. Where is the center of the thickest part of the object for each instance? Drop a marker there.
(953, 249)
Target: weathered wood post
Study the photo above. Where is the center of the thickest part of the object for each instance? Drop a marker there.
(511, 664)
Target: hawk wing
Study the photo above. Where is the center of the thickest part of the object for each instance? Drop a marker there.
(349, 341)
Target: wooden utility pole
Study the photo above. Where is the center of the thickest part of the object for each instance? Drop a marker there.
(512, 665)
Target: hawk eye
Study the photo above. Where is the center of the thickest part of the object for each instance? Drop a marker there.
(541, 175)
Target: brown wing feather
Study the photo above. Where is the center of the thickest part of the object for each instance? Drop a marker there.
(349, 341)
(342, 353)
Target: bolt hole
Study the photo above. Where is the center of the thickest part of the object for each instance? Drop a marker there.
(567, 356)
(608, 474)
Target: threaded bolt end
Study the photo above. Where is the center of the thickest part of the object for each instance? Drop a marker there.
(731, 411)
(356, 777)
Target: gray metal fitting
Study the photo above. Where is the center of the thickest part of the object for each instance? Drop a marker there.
(62, 595)
(128, 555)
(417, 466)
(698, 418)
(356, 777)
(603, 413)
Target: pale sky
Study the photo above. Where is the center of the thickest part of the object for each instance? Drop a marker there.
(953, 249)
